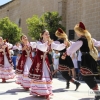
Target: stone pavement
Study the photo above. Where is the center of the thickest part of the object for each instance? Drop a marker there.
(12, 91)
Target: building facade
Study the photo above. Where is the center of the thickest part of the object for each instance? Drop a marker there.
(72, 12)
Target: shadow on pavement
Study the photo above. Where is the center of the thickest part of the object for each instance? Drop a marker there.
(13, 91)
(33, 98)
(7, 82)
(61, 90)
(60, 78)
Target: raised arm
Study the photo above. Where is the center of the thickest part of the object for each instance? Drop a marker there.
(96, 43)
(74, 47)
(42, 46)
(9, 45)
(71, 42)
(57, 46)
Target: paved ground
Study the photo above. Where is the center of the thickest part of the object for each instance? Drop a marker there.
(12, 91)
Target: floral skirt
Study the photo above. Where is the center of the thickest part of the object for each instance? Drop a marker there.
(23, 80)
(42, 87)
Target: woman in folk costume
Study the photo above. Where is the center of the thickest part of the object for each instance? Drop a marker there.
(65, 61)
(24, 63)
(6, 65)
(40, 70)
(89, 54)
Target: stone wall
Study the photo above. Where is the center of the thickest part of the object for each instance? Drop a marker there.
(11, 10)
(87, 11)
(36, 7)
(72, 12)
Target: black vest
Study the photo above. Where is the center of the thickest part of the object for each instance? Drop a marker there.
(84, 47)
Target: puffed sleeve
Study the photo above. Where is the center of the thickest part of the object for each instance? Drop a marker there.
(42, 46)
(33, 45)
(9, 45)
(58, 46)
(71, 42)
(96, 43)
(20, 47)
(74, 47)
(14, 47)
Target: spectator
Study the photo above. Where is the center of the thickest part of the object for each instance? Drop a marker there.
(79, 64)
(17, 50)
(56, 56)
(74, 59)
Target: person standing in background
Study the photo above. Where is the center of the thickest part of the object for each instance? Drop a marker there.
(79, 64)
(74, 59)
(56, 56)
(16, 49)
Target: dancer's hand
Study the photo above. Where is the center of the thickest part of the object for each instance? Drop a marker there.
(1, 50)
(63, 57)
(4, 46)
(25, 47)
(50, 42)
(65, 42)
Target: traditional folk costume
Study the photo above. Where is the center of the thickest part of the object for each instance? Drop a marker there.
(23, 67)
(40, 72)
(88, 67)
(65, 64)
(6, 65)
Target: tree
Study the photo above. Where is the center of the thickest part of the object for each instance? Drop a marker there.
(9, 30)
(53, 22)
(35, 26)
(50, 21)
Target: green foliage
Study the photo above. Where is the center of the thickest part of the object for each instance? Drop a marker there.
(9, 30)
(35, 26)
(53, 21)
(49, 21)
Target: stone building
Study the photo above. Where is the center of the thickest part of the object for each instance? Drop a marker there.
(72, 12)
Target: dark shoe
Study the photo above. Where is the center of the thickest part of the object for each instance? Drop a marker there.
(67, 87)
(67, 84)
(97, 98)
(77, 85)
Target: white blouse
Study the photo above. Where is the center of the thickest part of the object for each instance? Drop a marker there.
(44, 46)
(76, 46)
(9, 45)
(57, 46)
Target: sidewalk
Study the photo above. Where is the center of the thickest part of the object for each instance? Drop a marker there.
(12, 91)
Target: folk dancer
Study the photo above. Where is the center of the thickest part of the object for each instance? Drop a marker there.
(89, 56)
